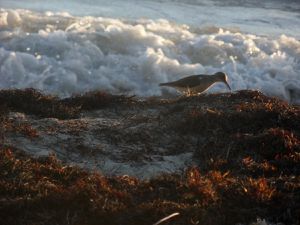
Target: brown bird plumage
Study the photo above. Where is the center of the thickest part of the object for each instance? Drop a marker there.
(197, 84)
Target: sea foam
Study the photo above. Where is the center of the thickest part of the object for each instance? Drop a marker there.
(62, 54)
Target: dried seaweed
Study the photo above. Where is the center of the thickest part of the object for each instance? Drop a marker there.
(248, 153)
(31, 101)
(43, 191)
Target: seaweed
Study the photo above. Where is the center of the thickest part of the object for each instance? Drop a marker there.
(44, 191)
(248, 156)
(31, 101)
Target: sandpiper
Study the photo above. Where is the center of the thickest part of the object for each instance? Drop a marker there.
(197, 84)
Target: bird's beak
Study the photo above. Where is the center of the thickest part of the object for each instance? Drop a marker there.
(227, 85)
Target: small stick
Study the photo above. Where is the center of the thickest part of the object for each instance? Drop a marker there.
(228, 151)
(166, 218)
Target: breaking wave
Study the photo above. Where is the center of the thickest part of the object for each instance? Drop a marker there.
(62, 54)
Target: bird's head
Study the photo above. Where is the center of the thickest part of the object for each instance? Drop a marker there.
(222, 77)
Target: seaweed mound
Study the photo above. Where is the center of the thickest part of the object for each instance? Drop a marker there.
(245, 149)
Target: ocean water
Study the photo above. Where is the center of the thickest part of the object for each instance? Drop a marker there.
(129, 47)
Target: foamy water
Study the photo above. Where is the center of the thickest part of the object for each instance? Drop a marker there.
(64, 54)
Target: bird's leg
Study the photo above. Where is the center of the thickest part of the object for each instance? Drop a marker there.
(188, 92)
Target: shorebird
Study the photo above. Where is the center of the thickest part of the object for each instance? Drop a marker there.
(197, 84)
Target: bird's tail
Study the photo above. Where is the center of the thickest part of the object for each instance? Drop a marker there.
(164, 84)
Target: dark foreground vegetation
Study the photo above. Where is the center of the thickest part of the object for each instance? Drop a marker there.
(248, 157)
(30, 101)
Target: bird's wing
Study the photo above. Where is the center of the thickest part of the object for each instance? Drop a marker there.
(191, 81)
